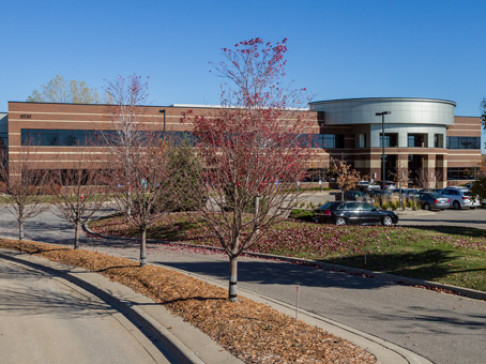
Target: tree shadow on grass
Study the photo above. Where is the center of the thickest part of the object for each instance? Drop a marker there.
(454, 230)
(427, 265)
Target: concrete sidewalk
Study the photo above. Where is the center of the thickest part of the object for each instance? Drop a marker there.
(178, 340)
(183, 343)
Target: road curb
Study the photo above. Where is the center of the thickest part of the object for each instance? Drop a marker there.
(419, 283)
(384, 351)
(178, 340)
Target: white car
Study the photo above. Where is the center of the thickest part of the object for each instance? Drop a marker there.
(378, 185)
(460, 198)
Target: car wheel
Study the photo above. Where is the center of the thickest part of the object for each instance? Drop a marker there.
(456, 205)
(387, 221)
(340, 221)
(427, 207)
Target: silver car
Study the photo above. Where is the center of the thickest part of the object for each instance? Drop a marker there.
(460, 198)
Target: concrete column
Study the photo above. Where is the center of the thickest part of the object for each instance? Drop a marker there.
(429, 168)
(402, 171)
(441, 171)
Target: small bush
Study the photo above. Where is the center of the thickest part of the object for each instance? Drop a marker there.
(50, 189)
(301, 214)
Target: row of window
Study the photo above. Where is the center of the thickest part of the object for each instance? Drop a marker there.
(421, 141)
(66, 138)
(86, 138)
(49, 137)
(463, 142)
(462, 173)
(326, 141)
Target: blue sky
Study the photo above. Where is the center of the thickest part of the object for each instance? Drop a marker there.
(337, 49)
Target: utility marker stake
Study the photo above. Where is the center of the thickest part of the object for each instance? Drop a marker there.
(297, 292)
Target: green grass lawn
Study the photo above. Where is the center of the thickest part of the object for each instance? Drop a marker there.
(452, 255)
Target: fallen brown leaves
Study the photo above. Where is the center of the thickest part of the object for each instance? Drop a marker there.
(251, 331)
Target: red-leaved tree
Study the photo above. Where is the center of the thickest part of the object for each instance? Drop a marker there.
(250, 149)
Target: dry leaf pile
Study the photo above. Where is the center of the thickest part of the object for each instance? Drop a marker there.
(253, 332)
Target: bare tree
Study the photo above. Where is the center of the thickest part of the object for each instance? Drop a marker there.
(83, 193)
(423, 179)
(139, 157)
(250, 148)
(346, 177)
(24, 186)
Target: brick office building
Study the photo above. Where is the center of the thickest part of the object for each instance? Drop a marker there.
(420, 134)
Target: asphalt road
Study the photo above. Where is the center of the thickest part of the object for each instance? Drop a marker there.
(45, 319)
(443, 328)
(468, 218)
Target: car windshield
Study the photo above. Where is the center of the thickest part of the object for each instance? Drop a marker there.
(328, 206)
(434, 195)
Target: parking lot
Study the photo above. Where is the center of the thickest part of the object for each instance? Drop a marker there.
(469, 218)
(475, 218)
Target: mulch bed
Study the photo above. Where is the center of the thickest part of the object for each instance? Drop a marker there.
(253, 332)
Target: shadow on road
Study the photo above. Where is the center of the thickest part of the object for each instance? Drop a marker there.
(30, 300)
(428, 319)
(266, 272)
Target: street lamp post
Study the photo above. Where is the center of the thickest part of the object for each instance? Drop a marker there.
(163, 111)
(382, 114)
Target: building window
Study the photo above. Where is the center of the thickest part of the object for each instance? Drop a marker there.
(438, 141)
(418, 141)
(326, 141)
(391, 140)
(333, 141)
(462, 173)
(86, 138)
(362, 141)
(463, 142)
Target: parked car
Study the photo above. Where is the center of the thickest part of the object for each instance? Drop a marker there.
(363, 185)
(354, 212)
(436, 190)
(433, 201)
(380, 185)
(379, 195)
(460, 198)
(407, 193)
(354, 195)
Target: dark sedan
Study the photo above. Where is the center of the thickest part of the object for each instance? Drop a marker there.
(433, 201)
(358, 213)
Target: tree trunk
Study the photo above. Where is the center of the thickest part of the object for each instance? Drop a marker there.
(21, 229)
(233, 288)
(143, 247)
(76, 235)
